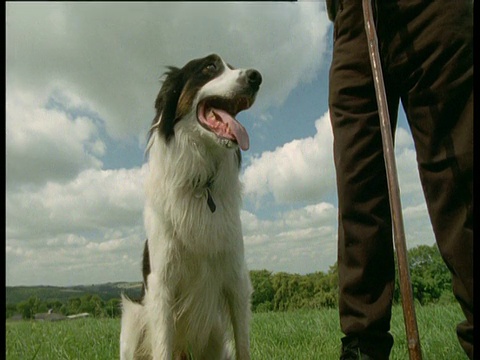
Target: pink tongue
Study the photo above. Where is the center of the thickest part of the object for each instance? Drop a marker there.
(235, 127)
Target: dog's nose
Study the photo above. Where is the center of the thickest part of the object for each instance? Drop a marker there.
(254, 78)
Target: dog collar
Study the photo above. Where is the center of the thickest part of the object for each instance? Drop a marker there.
(207, 189)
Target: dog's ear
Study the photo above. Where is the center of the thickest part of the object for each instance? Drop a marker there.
(166, 103)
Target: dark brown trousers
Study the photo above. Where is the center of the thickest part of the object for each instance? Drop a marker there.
(426, 50)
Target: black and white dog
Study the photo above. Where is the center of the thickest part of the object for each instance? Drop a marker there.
(196, 284)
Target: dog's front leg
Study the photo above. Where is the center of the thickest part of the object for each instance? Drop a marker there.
(238, 299)
(158, 303)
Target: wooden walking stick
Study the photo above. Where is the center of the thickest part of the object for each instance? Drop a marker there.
(393, 187)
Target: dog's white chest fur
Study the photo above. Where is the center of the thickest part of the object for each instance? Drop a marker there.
(177, 193)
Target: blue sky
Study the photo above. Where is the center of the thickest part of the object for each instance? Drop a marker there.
(81, 81)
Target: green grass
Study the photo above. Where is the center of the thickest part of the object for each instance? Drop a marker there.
(299, 335)
(75, 340)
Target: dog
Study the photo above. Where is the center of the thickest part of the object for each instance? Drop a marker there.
(196, 286)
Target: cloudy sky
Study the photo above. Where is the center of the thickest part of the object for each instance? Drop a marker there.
(81, 81)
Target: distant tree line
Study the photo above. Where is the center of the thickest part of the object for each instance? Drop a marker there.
(430, 278)
(92, 304)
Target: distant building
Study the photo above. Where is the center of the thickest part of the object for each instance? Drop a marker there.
(78, 316)
(16, 317)
(50, 316)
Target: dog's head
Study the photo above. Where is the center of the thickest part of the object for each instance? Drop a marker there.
(204, 97)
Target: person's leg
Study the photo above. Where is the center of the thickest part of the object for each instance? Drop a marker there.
(437, 68)
(365, 247)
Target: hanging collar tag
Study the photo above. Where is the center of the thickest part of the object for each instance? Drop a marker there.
(210, 202)
(200, 192)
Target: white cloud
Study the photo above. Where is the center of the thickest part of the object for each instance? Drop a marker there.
(77, 73)
(301, 170)
(95, 200)
(47, 143)
(69, 261)
(407, 168)
(418, 229)
(87, 225)
(298, 241)
(112, 54)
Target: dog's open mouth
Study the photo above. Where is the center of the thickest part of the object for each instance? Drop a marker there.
(218, 115)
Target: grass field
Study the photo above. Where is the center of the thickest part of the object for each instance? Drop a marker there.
(300, 335)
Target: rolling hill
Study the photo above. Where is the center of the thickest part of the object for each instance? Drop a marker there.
(16, 294)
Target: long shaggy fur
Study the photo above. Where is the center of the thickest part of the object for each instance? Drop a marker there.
(196, 284)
